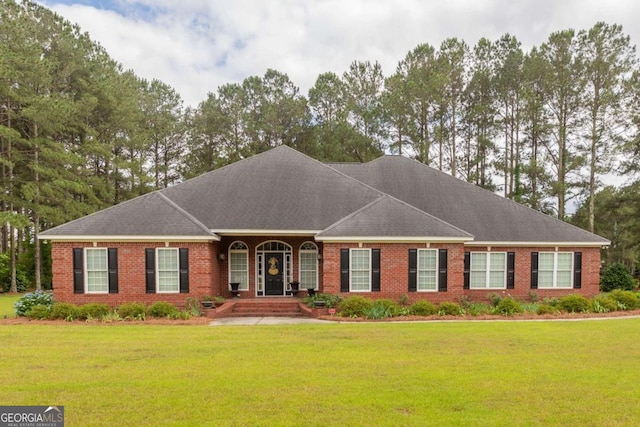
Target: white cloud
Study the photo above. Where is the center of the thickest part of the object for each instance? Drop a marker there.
(197, 45)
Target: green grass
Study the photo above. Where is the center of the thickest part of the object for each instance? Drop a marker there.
(382, 374)
(6, 305)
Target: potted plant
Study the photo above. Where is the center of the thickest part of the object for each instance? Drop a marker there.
(219, 300)
(294, 285)
(206, 301)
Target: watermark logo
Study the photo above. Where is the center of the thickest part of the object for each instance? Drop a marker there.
(31, 416)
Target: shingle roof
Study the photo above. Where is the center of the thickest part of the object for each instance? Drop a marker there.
(388, 217)
(284, 191)
(152, 214)
(487, 216)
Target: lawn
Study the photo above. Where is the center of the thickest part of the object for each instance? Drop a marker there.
(382, 374)
(6, 305)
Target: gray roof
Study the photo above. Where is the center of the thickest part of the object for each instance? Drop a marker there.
(284, 191)
(391, 218)
(487, 216)
(152, 214)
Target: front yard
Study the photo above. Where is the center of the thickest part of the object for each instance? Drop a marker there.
(470, 373)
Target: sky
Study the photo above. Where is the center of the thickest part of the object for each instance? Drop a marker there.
(196, 46)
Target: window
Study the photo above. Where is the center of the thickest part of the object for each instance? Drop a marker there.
(555, 270)
(427, 271)
(488, 270)
(97, 273)
(168, 270)
(360, 273)
(308, 274)
(239, 265)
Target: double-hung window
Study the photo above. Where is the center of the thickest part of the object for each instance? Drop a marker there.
(360, 273)
(308, 273)
(427, 271)
(488, 270)
(97, 272)
(555, 270)
(168, 270)
(239, 265)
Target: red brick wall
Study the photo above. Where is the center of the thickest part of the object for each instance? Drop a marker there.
(203, 269)
(394, 265)
(209, 276)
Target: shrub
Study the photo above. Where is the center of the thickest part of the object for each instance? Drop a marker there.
(330, 300)
(423, 308)
(31, 299)
(391, 308)
(546, 309)
(626, 300)
(449, 309)
(163, 309)
(604, 304)
(354, 306)
(494, 299)
(132, 311)
(616, 276)
(477, 308)
(39, 312)
(508, 307)
(93, 311)
(574, 303)
(64, 311)
(376, 311)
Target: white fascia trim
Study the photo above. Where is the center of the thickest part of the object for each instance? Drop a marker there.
(392, 239)
(54, 238)
(541, 244)
(236, 232)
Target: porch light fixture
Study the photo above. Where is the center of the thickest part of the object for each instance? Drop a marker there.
(319, 256)
(221, 257)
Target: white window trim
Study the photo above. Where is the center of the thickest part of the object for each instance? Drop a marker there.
(418, 270)
(158, 270)
(555, 270)
(86, 270)
(243, 286)
(487, 270)
(351, 251)
(308, 251)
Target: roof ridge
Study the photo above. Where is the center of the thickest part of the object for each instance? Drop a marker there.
(184, 212)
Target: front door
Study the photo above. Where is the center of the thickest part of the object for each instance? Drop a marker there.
(274, 273)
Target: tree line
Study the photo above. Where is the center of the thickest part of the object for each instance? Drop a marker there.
(79, 133)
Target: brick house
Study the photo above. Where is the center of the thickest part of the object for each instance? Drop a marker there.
(387, 228)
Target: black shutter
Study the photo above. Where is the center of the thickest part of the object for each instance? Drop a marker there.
(184, 270)
(344, 270)
(442, 270)
(534, 270)
(413, 270)
(467, 270)
(375, 270)
(511, 270)
(112, 262)
(150, 265)
(577, 270)
(78, 270)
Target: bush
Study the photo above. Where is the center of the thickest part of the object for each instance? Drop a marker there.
(449, 309)
(64, 311)
(508, 307)
(389, 307)
(477, 308)
(604, 304)
(616, 276)
(330, 300)
(546, 309)
(574, 303)
(423, 308)
(28, 301)
(39, 312)
(163, 309)
(132, 311)
(626, 300)
(354, 306)
(93, 311)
